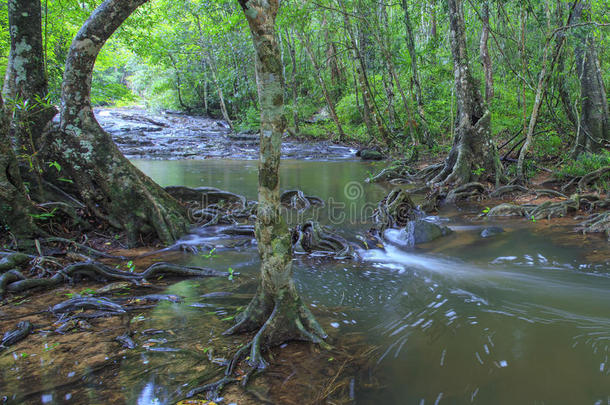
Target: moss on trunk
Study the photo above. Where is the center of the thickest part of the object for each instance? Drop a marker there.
(107, 182)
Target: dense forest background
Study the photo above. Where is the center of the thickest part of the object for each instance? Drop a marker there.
(377, 71)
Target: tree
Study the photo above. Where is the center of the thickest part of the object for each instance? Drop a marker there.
(276, 310)
(473, 154)
(594, 126)
(14, 205)
(107, 182)
(25, 84)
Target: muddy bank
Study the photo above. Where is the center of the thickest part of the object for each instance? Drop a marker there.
(172, 135)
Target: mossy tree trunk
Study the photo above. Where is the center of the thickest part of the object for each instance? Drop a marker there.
(15, 208)
(594, 126)
(25, 84)
(473, 156)
(276, 311)
(107, 182)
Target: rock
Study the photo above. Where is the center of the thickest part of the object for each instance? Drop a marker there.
(491, 231)
(416, 232)
(369, 154)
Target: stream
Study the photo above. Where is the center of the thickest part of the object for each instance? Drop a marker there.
(520, 317)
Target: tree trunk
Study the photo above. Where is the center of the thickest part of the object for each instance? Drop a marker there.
(26, 82)
(329, 101)
(223, 106)
(484, 53)
(178, 82)
(294, 84)
(473, 156)
(548, 63)
(370, 115)
(107, 182)
(594, 131)
(15, 208)
(276, 310)
(427, 138)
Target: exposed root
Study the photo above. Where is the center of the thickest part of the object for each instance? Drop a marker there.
(592, 177)
(597, 223)
(395, 210)
(88, 250)
(313, 238)
(296, 199)
(511, 188)
(276, 320)
(98, 271)
(465, 192)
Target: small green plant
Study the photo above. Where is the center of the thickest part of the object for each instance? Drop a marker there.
(533, 219)
(486, 210)
(129, 266)
(56, 165)
(44, 215)
(478, 171)
(208, 255)
(230, 274)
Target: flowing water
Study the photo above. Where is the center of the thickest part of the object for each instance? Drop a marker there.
(522, 317)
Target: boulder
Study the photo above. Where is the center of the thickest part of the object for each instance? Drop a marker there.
(416, 232)
(369, 154)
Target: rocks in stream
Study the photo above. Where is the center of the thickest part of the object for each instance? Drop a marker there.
(491, 231)
(369, 154)
(416, 232)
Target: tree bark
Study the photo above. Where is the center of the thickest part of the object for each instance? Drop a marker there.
(293, 83)
(15, 208)
(594, 126)
(276, 310)
(106, 181)
(371, 117)
(484, 53)
(427, 138)
(26, 82)
(473, 156)
(548, 63)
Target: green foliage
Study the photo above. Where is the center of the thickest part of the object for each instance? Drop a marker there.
(348, 111)
(586, 163)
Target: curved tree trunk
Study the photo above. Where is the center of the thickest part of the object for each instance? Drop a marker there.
(14, 205)
(277, 310)
(109, 184)
(594, 131)
(25, 82)
(473, 155)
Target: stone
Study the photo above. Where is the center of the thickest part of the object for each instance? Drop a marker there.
(491, 231)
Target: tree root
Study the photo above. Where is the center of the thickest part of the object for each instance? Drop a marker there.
(98, 271)
(13, 260)
(597, 223)
(296, 199)
(276, 320)
(511, 188)
(88, 250)
(313, 238)
(592, 177)
(465, 192)
(395, 210)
